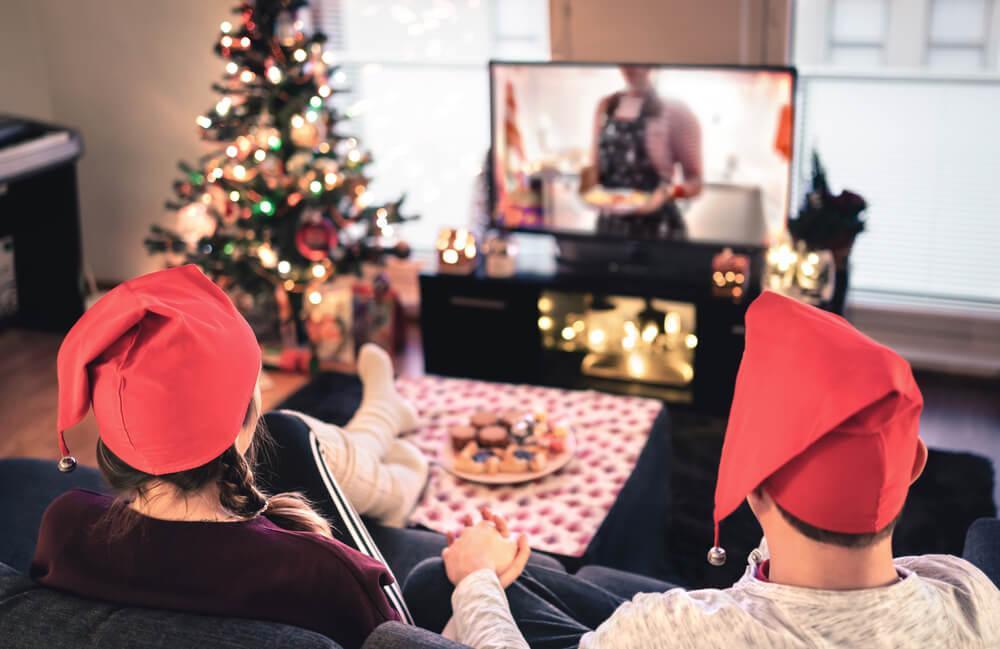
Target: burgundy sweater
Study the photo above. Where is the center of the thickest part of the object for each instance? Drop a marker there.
(249, 569)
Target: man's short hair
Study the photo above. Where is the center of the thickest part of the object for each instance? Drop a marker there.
(841, 539)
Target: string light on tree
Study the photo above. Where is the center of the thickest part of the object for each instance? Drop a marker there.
(280, 204)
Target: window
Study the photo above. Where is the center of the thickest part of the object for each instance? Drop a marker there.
(900, 98)
(419, 92)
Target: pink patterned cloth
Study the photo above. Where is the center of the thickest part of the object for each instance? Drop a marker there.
(559, 513)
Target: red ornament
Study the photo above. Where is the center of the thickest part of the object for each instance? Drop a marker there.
(315, 238)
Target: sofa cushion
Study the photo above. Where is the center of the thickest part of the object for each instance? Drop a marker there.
(33, 617)
(27, 486)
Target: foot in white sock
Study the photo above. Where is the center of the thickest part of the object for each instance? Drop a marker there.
(379, 388)
(409, 468)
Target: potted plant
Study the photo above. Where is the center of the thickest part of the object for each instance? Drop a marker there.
(830, 222)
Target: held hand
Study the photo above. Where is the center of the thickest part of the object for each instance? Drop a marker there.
(657, 199)
(486, 545)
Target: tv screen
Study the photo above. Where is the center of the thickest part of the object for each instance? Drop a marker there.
(642, 151)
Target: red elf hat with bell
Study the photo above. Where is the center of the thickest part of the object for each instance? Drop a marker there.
(169, 366)
(824, 418)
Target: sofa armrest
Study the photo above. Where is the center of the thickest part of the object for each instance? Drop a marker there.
(394, 635)
(982, 547)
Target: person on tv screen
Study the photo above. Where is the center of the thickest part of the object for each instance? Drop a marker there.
(639, 140)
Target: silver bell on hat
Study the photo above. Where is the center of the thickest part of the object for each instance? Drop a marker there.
(67, 463)
(717, 556)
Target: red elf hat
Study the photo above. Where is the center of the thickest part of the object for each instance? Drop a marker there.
(824, 417)
(168, 364)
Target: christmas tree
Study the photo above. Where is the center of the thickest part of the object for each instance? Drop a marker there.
(281, 203)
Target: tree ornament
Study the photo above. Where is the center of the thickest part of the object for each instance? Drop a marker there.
(305, 133)
(226, 210)
(284, 29)
(315, 237)
(298, 163)
(194, 223)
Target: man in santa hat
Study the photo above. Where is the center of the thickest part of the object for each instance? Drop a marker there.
(822, 443)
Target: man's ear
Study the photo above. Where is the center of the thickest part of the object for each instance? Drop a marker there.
(759, 501)
(920, 461)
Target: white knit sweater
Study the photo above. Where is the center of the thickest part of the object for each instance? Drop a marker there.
(939, 602)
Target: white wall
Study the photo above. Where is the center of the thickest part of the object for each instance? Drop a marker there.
(671, 31)
(24, 86)
(131, 77)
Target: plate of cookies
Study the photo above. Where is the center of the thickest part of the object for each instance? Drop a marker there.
(507, 447)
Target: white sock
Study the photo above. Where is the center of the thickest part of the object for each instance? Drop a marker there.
(383, 413)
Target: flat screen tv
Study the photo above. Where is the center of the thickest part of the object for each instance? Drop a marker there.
(649, 152)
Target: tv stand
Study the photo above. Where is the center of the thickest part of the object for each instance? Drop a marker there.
(492, 328)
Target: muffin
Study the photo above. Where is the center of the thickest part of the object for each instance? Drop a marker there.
(483, 419)
(493, 437)
(461, 436)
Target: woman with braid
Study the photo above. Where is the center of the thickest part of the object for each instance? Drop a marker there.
(171, 370)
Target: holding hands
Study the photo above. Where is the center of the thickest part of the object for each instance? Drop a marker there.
(486, 544)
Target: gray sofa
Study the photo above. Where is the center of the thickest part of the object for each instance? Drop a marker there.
(33, 617)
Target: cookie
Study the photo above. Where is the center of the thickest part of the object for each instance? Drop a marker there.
(493, 437)
(461, 436)
(516, 460)
(538, 462)
(481, 461)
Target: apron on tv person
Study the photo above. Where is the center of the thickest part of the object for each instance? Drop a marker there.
(623, 162)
